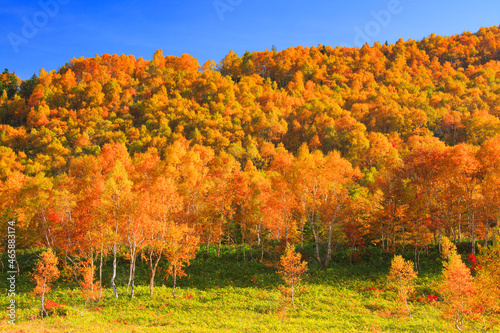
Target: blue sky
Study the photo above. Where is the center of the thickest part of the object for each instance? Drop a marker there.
(49, 33)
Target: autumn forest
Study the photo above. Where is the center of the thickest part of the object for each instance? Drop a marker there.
(116, 160)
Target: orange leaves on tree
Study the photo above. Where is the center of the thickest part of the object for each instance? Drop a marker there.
(487, 281)
(90, 289)
(116, 195)
(181, 246)
(292, 268)
(402, 277)
(166, 204)
(469, 299)
(457, 287)
(45, 273)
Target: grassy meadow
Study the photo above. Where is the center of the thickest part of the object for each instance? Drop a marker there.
(228, 294)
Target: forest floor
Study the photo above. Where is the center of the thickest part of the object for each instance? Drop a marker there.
(228, 294)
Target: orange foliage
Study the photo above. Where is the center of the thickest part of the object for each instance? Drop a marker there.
(292, 268)
(402, 278)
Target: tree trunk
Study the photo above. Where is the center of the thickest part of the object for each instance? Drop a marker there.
(100, 273)
(407, 307)
(131, 268)
(329, 247)
(220, 237)
(459, 321)
(417, 259)
(153, 268)
(131, 278)
(259, 231)
(92, 267)
(133, 281)
(115, 250)
(315, 232)
(316, 242)
(42, 310)
(460, 228)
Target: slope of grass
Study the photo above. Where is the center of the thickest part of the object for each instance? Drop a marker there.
(226, 295)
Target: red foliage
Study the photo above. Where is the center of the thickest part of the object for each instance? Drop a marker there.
(50, 304)
(54, 216)
(471, 258)
(432, 298)
(376, 289)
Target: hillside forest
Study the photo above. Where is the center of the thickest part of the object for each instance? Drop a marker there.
(391, 146)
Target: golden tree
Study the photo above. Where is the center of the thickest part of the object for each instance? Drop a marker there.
(292, 268)
(402, 278)
(457, 286)
(181, 246)
(89, 287)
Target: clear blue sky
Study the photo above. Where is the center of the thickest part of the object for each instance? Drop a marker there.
(48, 33)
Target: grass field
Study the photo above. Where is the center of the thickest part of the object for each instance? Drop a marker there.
(228, 295)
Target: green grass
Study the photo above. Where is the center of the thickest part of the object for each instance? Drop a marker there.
(235, 296)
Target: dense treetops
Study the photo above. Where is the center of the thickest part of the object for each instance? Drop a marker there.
(398, 143)
(329, 98)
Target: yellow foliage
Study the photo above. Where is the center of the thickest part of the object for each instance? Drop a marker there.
(402, 277)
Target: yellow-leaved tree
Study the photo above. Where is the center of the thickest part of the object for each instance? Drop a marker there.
(402, 277)
(291, 268)
(181, 246)
(88, 286)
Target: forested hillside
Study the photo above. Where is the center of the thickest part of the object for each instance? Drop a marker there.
(393, 145)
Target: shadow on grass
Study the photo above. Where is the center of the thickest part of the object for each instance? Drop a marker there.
(230, 269)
